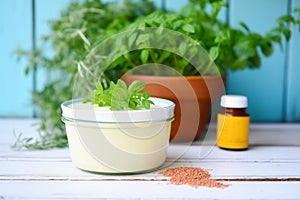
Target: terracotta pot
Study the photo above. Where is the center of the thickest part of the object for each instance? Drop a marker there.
(193, 96)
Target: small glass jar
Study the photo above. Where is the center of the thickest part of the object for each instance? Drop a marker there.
(233, 123)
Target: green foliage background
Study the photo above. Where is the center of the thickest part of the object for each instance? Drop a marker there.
(85, 24)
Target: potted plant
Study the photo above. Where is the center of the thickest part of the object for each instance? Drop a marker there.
(130, 127)
(230, 49)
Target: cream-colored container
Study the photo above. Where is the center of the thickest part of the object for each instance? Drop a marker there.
(115, 142)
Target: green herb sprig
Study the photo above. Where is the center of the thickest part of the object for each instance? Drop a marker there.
(45, 141)
(119, 97)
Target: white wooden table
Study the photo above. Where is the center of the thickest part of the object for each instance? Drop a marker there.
(269, 169)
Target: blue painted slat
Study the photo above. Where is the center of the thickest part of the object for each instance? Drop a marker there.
(293, 89)
(264, 86)
(176, 5)
(46, 10)
(15, 31)
(159, 3)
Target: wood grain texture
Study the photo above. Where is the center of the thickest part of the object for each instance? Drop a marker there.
(269, 169)
(65, 170)
(145, 190)
(293, 81)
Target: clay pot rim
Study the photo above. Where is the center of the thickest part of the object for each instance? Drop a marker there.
(177, 77)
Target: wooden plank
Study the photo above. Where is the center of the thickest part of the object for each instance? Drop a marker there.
(144, 190)
(274, 134)
(293, 81)
(260, 134)
(65, 170)
(265, 100)
(268, 142)
(22, 125)
(270, 169)
(187, 153)
(15, 32)
(7, 153)
(254, 153)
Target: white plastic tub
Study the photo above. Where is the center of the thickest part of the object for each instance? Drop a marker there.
(105, 141)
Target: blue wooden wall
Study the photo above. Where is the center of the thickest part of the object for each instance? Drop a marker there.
(15, 31)
(273, 90)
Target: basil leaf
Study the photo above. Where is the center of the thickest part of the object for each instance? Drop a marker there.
(119, 97)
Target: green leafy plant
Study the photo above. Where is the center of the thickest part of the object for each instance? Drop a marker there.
(230, 48)
(80, 27)
(119, 97)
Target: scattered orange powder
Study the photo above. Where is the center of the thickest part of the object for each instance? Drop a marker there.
(192, 176)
